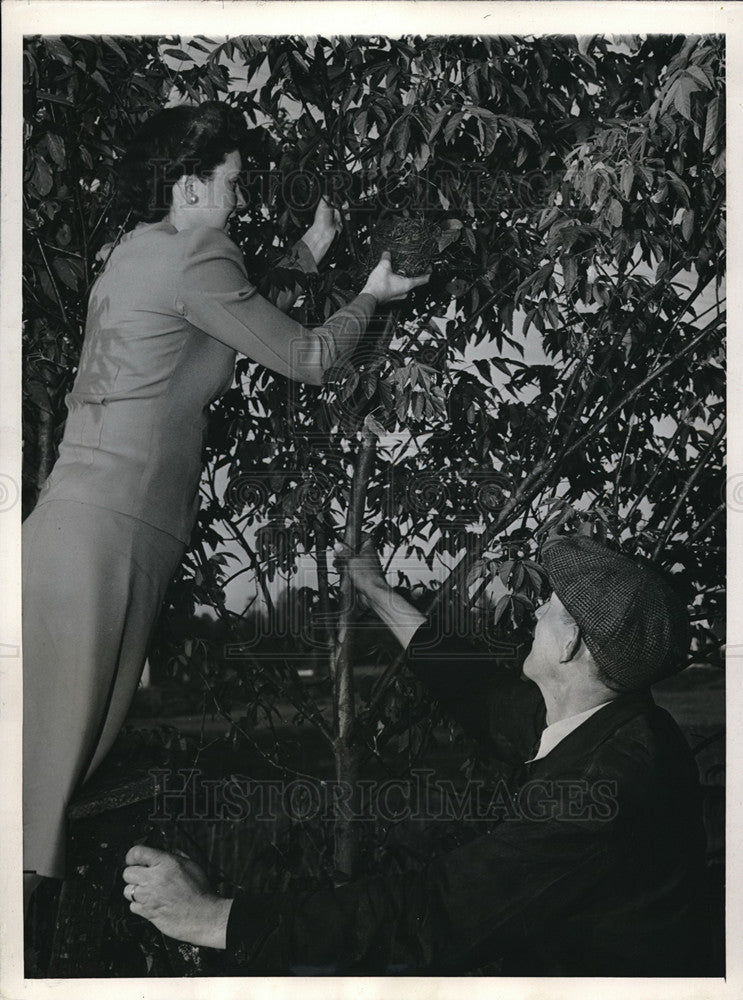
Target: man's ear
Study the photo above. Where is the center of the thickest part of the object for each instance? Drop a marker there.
(571, 643)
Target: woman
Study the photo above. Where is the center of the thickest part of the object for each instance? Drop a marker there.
(166, 317)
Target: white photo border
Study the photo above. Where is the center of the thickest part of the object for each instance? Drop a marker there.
(392, 17)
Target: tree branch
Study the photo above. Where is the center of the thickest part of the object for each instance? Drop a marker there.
(707, 522)
(666, 530)
(53, 281)
(659, 464)
(531, 485)
(648, 380)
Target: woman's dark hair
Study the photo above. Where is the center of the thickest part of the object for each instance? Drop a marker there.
(174, 142)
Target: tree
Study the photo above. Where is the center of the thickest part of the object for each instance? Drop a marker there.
(563, 367)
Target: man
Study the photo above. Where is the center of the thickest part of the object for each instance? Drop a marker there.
(599, 870)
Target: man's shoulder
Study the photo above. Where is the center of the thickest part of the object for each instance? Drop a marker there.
(631, 740)
(644, 751)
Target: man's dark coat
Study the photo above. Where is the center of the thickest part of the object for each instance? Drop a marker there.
(597, 871)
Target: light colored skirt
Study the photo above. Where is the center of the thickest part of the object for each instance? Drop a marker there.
(93, 585)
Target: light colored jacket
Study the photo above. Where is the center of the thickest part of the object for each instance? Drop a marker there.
(166, 317)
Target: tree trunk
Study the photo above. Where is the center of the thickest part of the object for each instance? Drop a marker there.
(323, 633)
(346, 753)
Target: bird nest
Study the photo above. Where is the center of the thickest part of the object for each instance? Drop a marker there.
(412, 244)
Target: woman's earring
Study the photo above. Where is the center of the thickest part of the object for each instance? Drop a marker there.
(192, 198)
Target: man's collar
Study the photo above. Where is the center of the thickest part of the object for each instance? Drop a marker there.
(585, 738)
(557, 731)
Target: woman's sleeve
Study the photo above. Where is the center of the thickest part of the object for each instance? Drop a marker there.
(213, 293)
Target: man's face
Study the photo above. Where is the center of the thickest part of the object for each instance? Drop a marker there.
(552, 631)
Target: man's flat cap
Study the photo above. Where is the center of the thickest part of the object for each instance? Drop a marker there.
(632, 621)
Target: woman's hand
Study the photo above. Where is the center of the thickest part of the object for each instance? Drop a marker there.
(387, 286)
(322, 232)
(174, 894)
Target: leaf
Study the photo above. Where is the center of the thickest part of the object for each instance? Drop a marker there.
(504, 571)
(114, 46)
(710, 128)
(446, 239)
(548, 216)
(361, 124)
(300, 61)
(679, 186)
(373, 426)
(218, 75)
(614, 213)
(399, 136)
(626, 179)
(44, 95)
(421, 157)
(57, 150)
(569, 271)
(178, 54)
(525, 126)
(524, 600)
(490, 137)
(687, 224)
(700, 76)
(98, 77)
(58, 50)
(42, 178)
(457, 287)
(68, 271)
(438, 121)
(683, 89)
(528, 320)
(542, 277)
(452, 125)
(46, 284)
(501, 607)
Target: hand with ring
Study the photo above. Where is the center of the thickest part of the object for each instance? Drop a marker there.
(173, 893)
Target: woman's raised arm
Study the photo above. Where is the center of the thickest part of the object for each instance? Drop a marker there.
(304, 256)
(215, 295)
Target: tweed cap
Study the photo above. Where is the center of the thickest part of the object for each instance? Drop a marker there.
(631, 620)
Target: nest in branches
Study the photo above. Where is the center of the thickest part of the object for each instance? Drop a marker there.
(412, 244)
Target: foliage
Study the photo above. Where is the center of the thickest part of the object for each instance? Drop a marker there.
(559, 369)
(579, 189)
